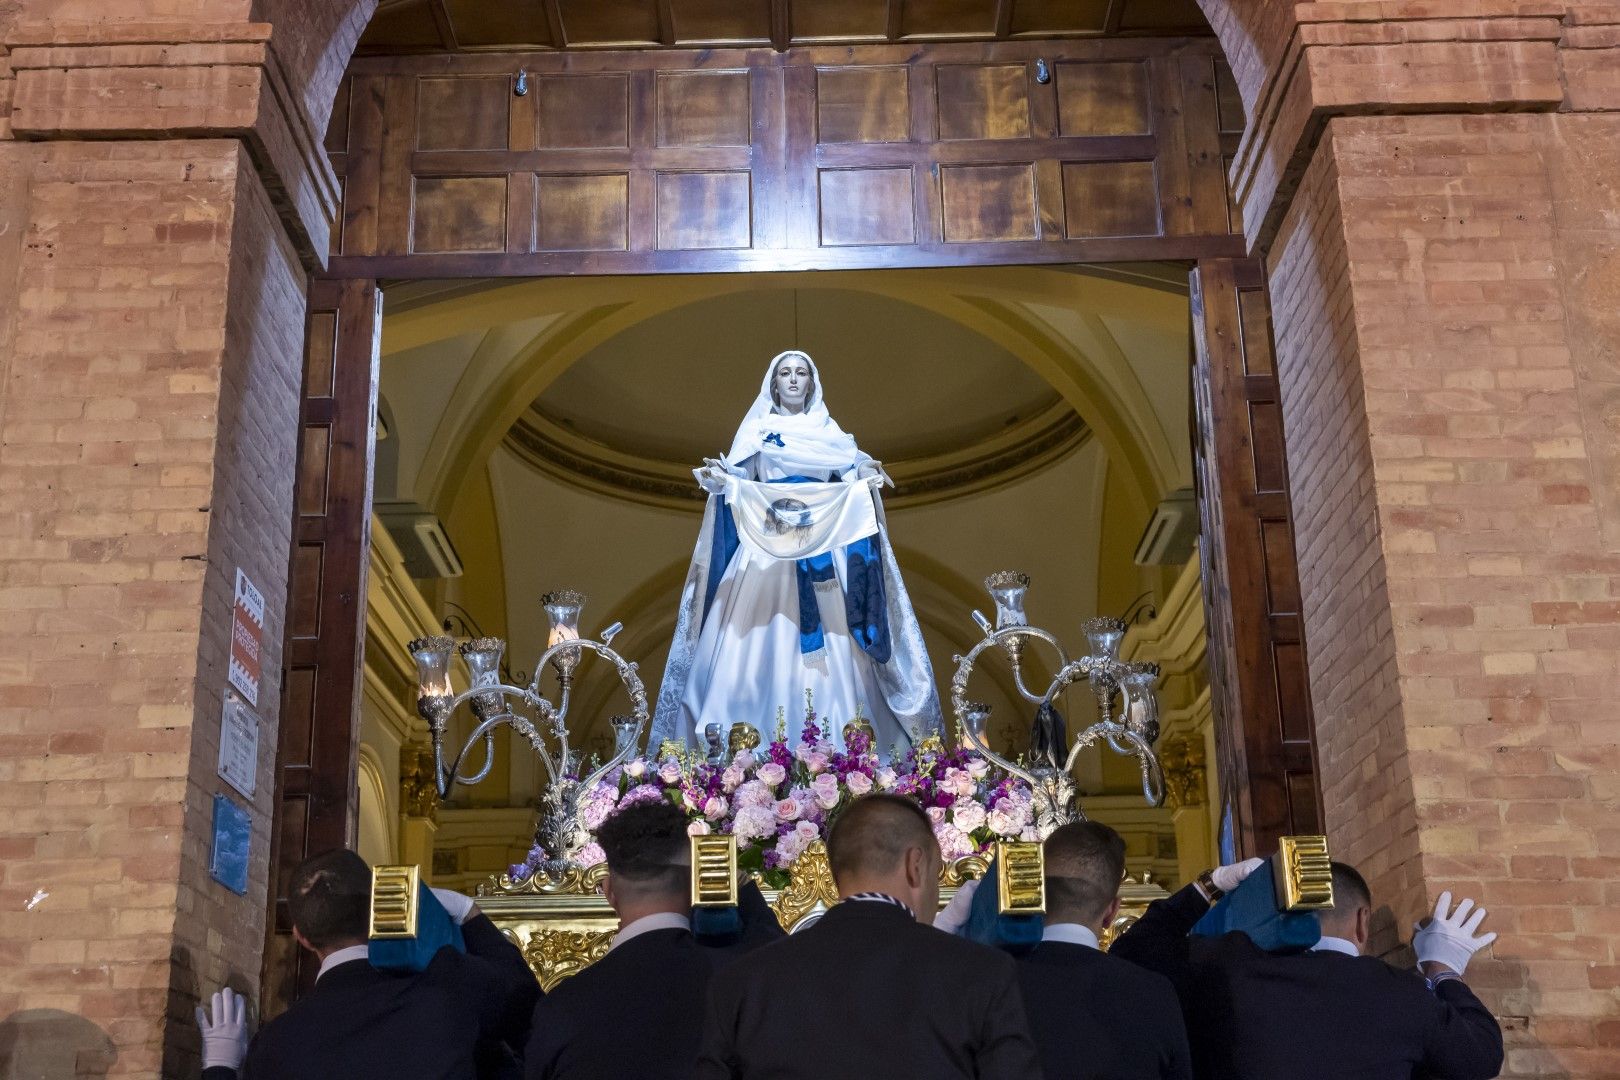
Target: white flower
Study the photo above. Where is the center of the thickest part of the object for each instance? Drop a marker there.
(936, 816)
(754, 793)
(669, 772)
(698, 828)
(953, 842)
(817, 762)
(731, 779)
(789, 809)
(1008, 818)
(957, 782)
(744, 760)
(967, 815)
(887, 778)
(826, 790)
(1030, 835)
(858, 783)
(754, 822)
(978, 768)
(715, 807)
(790, 846)
(771, 774)
(636, 769)
(808, 830)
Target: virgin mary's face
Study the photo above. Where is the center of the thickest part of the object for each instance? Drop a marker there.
(792, 383)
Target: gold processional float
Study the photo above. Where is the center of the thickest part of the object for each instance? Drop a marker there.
(556, 913)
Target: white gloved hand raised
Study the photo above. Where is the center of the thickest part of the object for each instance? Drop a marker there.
(1227, 878)
(459, 905)
(712, 478)
(1450, 938)
(224, 1030)
(955, 914)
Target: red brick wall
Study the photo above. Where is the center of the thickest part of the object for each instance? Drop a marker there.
(145, 451)
(1451, 443)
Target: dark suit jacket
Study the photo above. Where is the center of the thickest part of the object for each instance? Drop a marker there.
(458, 1019)
(1097, 1017)
(637, 1013)
(1280, 1016)
(867, 992)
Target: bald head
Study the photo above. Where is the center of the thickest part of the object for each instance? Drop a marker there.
(884, 843)
(1085, 861)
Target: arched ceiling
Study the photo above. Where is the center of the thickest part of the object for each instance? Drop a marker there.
(913, 383)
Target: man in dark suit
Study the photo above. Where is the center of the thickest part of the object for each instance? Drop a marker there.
(871, 990)
(461, 1017)
(637, 1013)
(1330, 1012)
(1095, 1016)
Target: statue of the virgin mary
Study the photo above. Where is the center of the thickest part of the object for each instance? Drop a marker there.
(794, 585)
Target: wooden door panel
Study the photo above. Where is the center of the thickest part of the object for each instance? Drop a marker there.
(319, 731)
(1265, 733)
(857, 156)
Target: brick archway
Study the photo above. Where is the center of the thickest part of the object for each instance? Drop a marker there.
(1446, 373)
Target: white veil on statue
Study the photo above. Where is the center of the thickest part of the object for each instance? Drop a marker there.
(739, 653)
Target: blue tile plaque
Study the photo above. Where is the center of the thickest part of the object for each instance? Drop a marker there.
(233, 837)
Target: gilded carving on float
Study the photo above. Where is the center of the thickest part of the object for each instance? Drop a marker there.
(417, 797)
(1184, 770)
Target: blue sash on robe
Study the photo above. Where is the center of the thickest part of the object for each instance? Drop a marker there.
(865, 606)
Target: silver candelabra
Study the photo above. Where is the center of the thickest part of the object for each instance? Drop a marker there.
(1132, 685)
(492, 703)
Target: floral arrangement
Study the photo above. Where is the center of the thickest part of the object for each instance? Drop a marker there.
(779, 799)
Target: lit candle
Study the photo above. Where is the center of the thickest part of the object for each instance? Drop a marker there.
(560, 634)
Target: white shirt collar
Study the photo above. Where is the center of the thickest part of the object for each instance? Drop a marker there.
(343, 956)
(1336, 944)
(660, 920)
(1071, 933)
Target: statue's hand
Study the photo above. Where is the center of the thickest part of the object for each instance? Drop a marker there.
(873, 472)
(712, 478)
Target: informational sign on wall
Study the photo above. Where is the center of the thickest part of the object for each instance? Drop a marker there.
(239, 744)
(233, 838)
(247, 638)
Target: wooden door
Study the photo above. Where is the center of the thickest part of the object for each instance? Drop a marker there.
(1264, 729)
(326, 610)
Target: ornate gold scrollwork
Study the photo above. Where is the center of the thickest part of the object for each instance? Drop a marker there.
(417, 795)
(811, 885)
(553, 955)
(574, 881)
(958, 872)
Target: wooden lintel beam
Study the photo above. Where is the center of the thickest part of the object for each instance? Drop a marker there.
(891, 29)
(559, 34)
(781, 24)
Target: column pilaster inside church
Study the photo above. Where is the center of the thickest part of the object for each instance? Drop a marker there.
(151, 366)
(1443, 288)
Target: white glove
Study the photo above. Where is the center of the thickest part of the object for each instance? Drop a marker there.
(225, 1033)
(1450, 937)
(873, 473)
(711, 479)
(1227, 878)
(955, 914)
(459, 905)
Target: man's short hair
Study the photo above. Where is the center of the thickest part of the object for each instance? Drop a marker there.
(329, 898)
(1349, 889)
(647, 848)
(874, 833)
(1085, 861)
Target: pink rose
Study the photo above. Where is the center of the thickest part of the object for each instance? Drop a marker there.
(957, 782)
(715, 807)
(790, 846)
(826, 791)
(936, 815)
(789, 809)
(858, 783)
(967, 815)
(817, 762)
(887, 778)
(744, 760)
(590, 855)
(669, 772)
(978, 768)
(807, 830)
(731, 779)
(698, 828)
(772, 774)
(953, 842)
